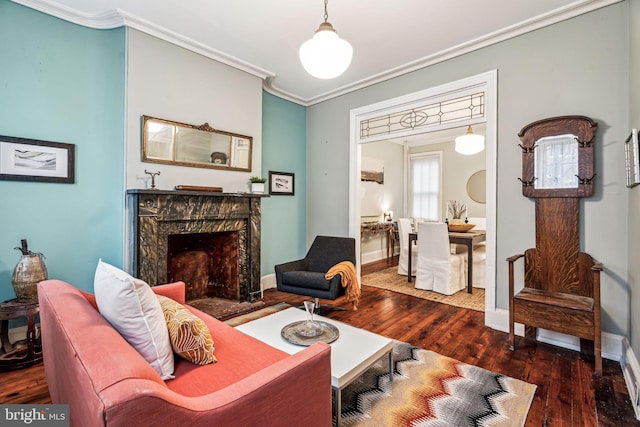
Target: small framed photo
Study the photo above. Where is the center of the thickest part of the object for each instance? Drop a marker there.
(632, 159)
(281, 183)
(33, 160)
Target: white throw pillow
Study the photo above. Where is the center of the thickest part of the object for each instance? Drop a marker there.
(132, 308)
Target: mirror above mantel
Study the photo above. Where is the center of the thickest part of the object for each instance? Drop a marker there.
(168, 142)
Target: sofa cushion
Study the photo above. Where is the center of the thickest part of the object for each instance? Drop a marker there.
(133, 310)
(239, 357)
(306, 279)
(189, 335)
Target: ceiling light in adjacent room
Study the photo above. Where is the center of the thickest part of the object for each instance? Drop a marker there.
(326, 55)
(469, 143)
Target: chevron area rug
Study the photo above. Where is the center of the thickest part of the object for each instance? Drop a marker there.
(429, 389)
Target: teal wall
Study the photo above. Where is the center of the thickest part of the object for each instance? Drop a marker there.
(62, 82)
(284, 218)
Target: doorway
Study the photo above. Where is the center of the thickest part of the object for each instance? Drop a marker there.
(363, 117)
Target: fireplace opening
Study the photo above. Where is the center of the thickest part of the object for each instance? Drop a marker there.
(206, 262)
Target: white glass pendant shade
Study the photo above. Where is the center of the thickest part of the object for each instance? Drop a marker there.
(469, 143)
(326, 55)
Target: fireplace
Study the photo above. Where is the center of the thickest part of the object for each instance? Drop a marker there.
(210, 241)
(206, 262)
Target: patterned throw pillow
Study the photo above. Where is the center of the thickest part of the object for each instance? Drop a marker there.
(189, 335)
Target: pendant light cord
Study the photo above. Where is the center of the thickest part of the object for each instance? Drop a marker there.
(326, 14)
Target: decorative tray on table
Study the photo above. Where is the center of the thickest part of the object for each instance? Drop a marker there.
(460, 228)
(300, 333)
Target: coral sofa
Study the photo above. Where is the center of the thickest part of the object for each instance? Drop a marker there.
(106, 382)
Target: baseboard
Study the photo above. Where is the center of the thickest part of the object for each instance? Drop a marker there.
(374, 256)
(268, 281)
(497, 319)
(631, 374)
(612, 344)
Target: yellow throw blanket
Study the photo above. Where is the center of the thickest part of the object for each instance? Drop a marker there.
(349, 280)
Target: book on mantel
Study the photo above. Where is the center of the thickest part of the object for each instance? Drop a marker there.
(198, 188)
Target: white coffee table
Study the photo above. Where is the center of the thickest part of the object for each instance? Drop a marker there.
(351, 354)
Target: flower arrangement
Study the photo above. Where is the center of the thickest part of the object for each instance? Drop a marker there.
(456, 209)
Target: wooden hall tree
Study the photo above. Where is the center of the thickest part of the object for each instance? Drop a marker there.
(561, 284)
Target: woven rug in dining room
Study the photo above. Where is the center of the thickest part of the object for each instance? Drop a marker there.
(390, 279)
(429, 389)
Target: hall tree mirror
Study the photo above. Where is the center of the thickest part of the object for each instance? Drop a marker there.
(174, 143)
(557, 157)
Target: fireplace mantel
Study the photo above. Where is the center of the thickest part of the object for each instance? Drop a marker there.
(155, 215)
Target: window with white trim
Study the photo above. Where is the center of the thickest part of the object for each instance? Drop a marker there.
(425, 185)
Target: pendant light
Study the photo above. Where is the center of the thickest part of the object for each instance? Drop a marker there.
(469, 143)
(326, 55)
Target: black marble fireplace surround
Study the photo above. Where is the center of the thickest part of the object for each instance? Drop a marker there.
(209, 240)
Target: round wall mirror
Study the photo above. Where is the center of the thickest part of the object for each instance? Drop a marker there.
(477, 187)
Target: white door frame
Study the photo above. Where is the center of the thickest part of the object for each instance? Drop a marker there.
(486, 81)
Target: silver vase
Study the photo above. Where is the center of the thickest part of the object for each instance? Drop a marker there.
(28, 272)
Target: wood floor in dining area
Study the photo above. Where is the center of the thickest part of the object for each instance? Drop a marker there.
(568, 393)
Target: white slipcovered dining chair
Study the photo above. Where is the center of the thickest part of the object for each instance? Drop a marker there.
(404, 228)
(438, 269)
(479, 255)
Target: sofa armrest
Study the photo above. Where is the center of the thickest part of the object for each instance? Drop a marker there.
(296, 388)
(175, 291)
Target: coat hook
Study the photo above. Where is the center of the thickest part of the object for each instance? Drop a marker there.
(586, 181)
(527, 183)
(584, 144)
(527, 149)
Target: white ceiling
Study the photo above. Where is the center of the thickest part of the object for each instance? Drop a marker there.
(262, 37)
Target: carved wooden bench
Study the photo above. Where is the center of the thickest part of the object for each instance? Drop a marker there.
(571, 307)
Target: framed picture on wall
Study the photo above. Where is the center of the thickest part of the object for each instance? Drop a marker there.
(33, 160)
(632, 159)
(281, 183)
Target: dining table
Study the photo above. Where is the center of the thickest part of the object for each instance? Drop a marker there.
(467, 238)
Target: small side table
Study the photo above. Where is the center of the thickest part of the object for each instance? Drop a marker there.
(25, 352)
(381, 227)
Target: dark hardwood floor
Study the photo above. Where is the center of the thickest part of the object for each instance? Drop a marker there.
(568, 393)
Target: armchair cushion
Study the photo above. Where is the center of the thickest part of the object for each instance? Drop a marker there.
(307, 279)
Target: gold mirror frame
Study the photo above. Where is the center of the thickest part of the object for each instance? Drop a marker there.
(477, 186)
(181, 144)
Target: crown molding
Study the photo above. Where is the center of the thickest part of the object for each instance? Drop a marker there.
(577, 8)
(117, 18)
(102, 21)
(142, 25)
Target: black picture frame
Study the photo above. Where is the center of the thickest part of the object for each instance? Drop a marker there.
(23, 159)
(281, 183)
